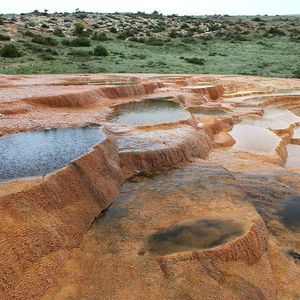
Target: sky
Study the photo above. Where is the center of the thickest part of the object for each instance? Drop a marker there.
(186, 7)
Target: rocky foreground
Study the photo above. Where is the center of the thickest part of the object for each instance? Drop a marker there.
(186, 187)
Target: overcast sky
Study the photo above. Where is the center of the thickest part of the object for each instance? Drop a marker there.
(191, 7)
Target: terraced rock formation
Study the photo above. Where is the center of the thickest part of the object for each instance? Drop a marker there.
(149, 187)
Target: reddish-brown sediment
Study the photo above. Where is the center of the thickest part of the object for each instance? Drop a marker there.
(49, 247)
(147, 151)
(223, 139)
(88, 97)
(214, 92)
(47, 215)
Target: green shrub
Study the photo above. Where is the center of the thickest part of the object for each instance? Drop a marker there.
(31, 24)
(297, 73)
(50, 51)
(79, 27)
(100, 51)
(1, 21)
(4, 37)
(126, 34)
(239, 38)
(28, 33)
(137, 40)
(214, 27)
(155, 42)
(212, 53)
(159, 29)
(100, 36)
(188, 40)
(257, 19)
(58, 32)
(275, 31)
(173, 34)
(113, 30)
(77, 42)
(184, 26)
(46, 57)
(295, 35)
(195, 61)
(87, 32)
(10, 50)
(44, 40)
(80, 53)
(66, 42)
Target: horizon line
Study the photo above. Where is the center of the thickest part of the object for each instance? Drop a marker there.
(150, 13)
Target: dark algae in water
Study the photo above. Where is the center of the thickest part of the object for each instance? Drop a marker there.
(202, 234)
(290, 214)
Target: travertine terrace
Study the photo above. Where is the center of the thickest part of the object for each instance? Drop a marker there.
(193, 191)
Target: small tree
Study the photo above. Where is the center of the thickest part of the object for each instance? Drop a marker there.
(79, 27)
(100, 51)
(10, 50)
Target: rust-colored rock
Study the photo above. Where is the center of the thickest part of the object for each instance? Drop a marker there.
(46, 215)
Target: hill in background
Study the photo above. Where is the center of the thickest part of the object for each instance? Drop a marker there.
(84, 42)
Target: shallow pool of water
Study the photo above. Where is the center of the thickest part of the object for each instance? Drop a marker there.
(121, 83)
(148, 112)
(201, 86)
(240, 99)
(203, 234)
(297, 133)
(288, 91)
(257, 101)
(290, 214)
(293, 160)
(254, 139)
(207, 110)
(284, 115)
(260, 97)
(266, 123)
(37, 153)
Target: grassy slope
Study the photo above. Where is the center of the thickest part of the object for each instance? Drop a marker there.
(274, 56)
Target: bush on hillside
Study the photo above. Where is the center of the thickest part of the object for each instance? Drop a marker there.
(44, 40)
(275, 31)
(80, 53)
(79, 27)
(28, 33)
(10, 50)
(173, 34)
(4, 37)
(297, 73)
(195, 61)
(77, 42)
(58, 32)
(100, 36)
(100, 51)
(155, 42)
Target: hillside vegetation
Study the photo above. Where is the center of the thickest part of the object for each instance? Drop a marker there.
(149, 43)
